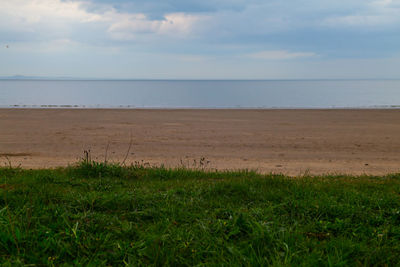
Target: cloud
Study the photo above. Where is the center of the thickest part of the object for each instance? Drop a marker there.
(192, 58)
(156, 8)
(372, 13)
(280, 55)
(56, 19)
(128, 26)
(360, 20)
(36, 21)
(237, 20)
(27, 12)
(207, 34)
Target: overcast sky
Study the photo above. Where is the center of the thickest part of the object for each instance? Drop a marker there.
(201, 39)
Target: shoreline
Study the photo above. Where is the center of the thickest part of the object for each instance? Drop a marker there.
(287, 141)
(83, 107)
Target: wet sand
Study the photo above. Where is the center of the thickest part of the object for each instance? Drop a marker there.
(281, 141)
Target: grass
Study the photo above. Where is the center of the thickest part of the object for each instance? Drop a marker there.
(103, 214)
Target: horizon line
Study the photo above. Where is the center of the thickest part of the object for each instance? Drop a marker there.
(66, 78)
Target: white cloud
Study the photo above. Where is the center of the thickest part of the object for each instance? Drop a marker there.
(28, 12)
(373, 13)
(386, 3)
(127, 26)
(52, 46)
(60, 45)
(57, 19)
(192, 58)
(195, 35)
(280, 55)
(359, 20)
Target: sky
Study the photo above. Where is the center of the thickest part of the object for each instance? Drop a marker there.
(201, 39)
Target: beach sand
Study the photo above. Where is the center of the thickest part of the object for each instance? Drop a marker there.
(292, 142)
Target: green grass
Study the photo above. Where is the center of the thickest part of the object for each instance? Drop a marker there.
(97, 214)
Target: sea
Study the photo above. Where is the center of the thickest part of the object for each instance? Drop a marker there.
(207, 94)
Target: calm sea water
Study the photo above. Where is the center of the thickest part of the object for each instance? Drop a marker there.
(201, 94)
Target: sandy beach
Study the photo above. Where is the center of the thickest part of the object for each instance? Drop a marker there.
(292, 142)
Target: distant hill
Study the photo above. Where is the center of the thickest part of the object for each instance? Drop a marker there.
(22, 77)
(18, 77)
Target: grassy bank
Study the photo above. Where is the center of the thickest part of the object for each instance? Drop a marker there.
(112, 215)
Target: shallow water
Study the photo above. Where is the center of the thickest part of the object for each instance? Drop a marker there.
(201, 94)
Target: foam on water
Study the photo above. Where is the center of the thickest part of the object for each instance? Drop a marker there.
(200, 94)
